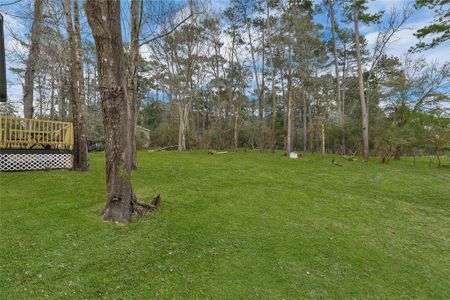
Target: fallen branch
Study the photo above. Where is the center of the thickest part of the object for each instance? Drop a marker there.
(214, 152)
(140, 208)
(167, 147)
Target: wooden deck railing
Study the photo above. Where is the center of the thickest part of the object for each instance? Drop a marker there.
(21, 133)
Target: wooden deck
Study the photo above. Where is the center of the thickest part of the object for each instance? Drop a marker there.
(21, 133)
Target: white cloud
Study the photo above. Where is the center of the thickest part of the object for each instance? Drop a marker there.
(14, 46)
(13, 23)
(403, 40)
(378, 5)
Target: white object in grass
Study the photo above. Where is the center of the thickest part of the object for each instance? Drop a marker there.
(293, 155)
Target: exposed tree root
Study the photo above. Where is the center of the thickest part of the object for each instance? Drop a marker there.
(139, 208)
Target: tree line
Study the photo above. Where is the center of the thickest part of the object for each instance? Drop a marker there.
(260, 74)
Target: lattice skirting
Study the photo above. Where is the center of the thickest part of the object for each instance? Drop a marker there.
(31, 161)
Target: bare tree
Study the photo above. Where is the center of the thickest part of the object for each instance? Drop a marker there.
(364, 104)
(289, 103)
(31, 63)
(270, 26)
(335, 56)
(76, 88)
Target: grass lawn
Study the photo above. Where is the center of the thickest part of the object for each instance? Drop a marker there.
(237, 226)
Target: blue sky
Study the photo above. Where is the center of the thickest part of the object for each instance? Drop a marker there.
(400, 45)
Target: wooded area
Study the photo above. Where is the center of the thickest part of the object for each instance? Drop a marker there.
(258, 75)
(261, 74)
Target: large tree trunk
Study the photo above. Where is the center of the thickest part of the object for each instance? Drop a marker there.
(104, 20)
(76, 89)
(364, 104)
(133, 77)
(33, 55)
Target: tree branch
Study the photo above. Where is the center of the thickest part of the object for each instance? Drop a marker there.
(11, 3)
(165, 33)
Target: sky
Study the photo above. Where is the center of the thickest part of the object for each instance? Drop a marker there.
(399, 46)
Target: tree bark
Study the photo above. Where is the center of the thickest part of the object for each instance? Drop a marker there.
(323, 139)
(335, 56)
(41, 95)
(183, 110)
(305, 123)
(104, 20)
(274, 99)
(273, 138)
(236, 125)
(364, 104)
(262, 97)
(76, 89)
(231, 94)
(289, 107)
(398, 152)
(62, 110)
(33, 55)
(133, 77)
(52, 94)
(82, 164)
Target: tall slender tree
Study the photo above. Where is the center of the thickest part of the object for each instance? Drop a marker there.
(80, 162)
(362, 98)
(133, 63)
(32, 60)
(335, 57)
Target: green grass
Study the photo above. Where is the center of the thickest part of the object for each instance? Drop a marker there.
(237, 226)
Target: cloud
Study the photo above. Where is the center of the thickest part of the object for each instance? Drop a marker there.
(220, 4)
(14, 46)
(403, 40)
(379, 5)
(14, 23)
